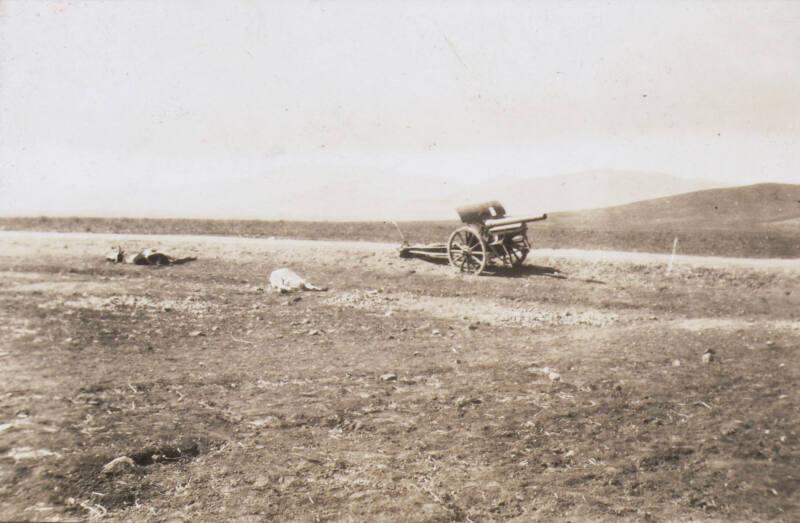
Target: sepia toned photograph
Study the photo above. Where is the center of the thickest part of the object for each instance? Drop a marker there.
(399, 261)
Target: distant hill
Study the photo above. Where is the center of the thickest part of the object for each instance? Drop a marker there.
(771, 205)
(577, 191)
(377, 195)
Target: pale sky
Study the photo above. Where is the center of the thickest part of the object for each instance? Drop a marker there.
(108, 105)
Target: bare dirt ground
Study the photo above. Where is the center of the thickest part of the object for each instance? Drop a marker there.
(572, 389)
(623, 233)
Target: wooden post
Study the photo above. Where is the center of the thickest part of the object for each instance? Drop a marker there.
(672, 256)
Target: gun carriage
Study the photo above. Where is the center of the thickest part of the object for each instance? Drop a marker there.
(488, 236)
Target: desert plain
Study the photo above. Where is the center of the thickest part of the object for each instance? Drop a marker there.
(587, 385)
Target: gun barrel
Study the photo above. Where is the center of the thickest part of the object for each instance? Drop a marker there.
(512, 219)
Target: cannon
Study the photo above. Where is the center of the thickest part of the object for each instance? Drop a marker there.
(487, 236)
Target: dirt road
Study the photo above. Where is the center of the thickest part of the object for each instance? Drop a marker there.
(583, 386)
(29, 239)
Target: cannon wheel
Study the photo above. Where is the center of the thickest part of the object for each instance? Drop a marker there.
(467, 251)
(518, 251)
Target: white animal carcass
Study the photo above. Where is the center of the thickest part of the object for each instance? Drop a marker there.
(286, 280)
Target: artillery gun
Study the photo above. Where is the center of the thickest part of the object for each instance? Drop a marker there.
(487, 236)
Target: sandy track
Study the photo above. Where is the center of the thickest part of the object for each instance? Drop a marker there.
(22, 242)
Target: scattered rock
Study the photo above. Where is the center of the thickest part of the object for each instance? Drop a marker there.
(551, 374)
(464, 401)
(389, 376)
(119, 464)
(546, 371)
(473, 326)
(708, 356)
(261, 483)
(269, 421)
(24, 453)
(195, 334)
(314, 332)
(730, 428)
(21, 422)
(676, 363)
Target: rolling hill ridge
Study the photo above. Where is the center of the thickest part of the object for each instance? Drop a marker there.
(766, 205)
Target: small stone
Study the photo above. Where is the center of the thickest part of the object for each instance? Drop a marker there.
(119, 464)
(313, 332)
(436, 332)
(269, 421)
(473, 326)
(676, 363)
(261, 483)
(389, 376)
(28, 453)
(551, 374)
(708, 357)
(464, 401)
(730, 427)
(195, 334)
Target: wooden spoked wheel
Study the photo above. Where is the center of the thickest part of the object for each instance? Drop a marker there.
(518, 249)
(467, 251)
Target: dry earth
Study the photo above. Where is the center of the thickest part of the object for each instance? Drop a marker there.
(573, 389)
